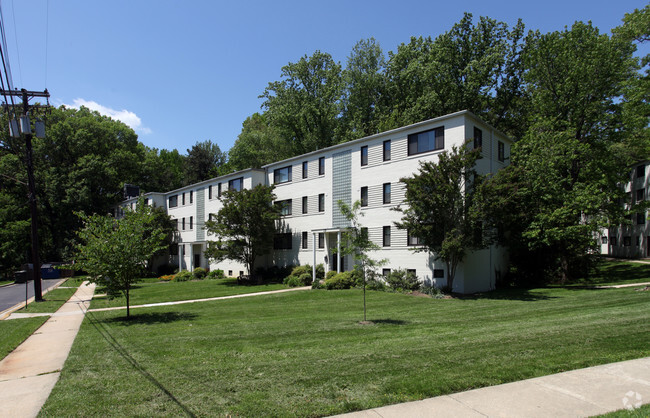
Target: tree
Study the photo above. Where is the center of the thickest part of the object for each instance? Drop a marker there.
(355, 242)
(203, 162)
(476, 67)
(245, 226)
(439, 202)
(115, 252)
(364, 80)
(305, 105)
(258, 144)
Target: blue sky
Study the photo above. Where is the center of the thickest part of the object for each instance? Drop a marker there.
(179, 72)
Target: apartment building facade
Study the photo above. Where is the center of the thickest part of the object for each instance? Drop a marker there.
(632, 239)
(308, 188)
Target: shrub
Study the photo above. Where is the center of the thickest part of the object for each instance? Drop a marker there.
(330, 274)
(320, 271)
(166, 278)
(305, 279)
(400, 280)
(343, 280)
(375, 284)
(432, 291)
(199, 273)
(293, 280)
(183, 276)
(216, 274)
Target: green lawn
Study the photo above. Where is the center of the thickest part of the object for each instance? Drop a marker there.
(53, 299)
(641, 412)
(15, 331)
(153, 291)
(3, 282)
(305, 353)
(617, 272)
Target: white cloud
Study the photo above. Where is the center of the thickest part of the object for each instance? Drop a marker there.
(127, 117)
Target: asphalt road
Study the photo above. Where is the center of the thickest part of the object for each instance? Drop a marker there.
(15, 293)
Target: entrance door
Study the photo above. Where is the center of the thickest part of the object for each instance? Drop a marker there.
(197, 260)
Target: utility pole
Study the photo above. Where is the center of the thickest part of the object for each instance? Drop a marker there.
(27, 131)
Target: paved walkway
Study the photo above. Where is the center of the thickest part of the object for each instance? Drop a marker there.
(28, 374)
(577, 393)
(18, 315)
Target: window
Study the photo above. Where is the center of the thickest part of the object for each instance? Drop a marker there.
(282, 175)
(321, 240)
(191, 196)
(364, 233)
(321, 202)
(364, 196)
(236, 184)
(640, 218)
(385, 272)
(430, 140)
(411, 240)
(305, 171)
(219, 190)
(173, 201)
(321, 166)
(183, 223)
(604, 240)
(304, 204)
(478, 138)
(386, 240)
(438, 274)
(627, 241)
(210, 192)
(364, 155)
(638, 240)
(305, 242)
(501, 151)
(183, 198)
(282, 241)
(640, 195)
(191, 222)
(411, 272)
(285, 206)
(229, 272)
(387, 152)
(146, 201)
(640, 171)
(386, 193)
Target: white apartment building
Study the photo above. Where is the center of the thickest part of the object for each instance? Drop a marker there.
(368, 169)
(632, 240)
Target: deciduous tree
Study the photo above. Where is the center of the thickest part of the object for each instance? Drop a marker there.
(244, 227)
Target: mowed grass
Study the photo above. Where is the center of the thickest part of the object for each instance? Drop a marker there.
(615, 272)
(54, 299)
(305, 353)
(154, 291)
(15, 331)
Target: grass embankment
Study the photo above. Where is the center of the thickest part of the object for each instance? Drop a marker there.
(615, 272)
(642, 412)
(154, 291)
(305, 354)
(54, 299)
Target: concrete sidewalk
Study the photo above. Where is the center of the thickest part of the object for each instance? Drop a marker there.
(577, 393)
(28, 374)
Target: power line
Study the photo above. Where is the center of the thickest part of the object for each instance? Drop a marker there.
(20, 71)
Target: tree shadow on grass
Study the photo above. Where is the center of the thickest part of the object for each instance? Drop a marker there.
(522, 294)
(152, 318)
(104, 331)
(390, 321)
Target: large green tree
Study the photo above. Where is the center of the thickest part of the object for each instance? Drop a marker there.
(203, 162)
(439, 208)
(244, 227)
(115, 252)
(473, 66)
(304, 105)
(568, 166)
(259, 143)
(364, 82)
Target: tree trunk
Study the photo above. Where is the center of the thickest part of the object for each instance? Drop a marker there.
(128, 313)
